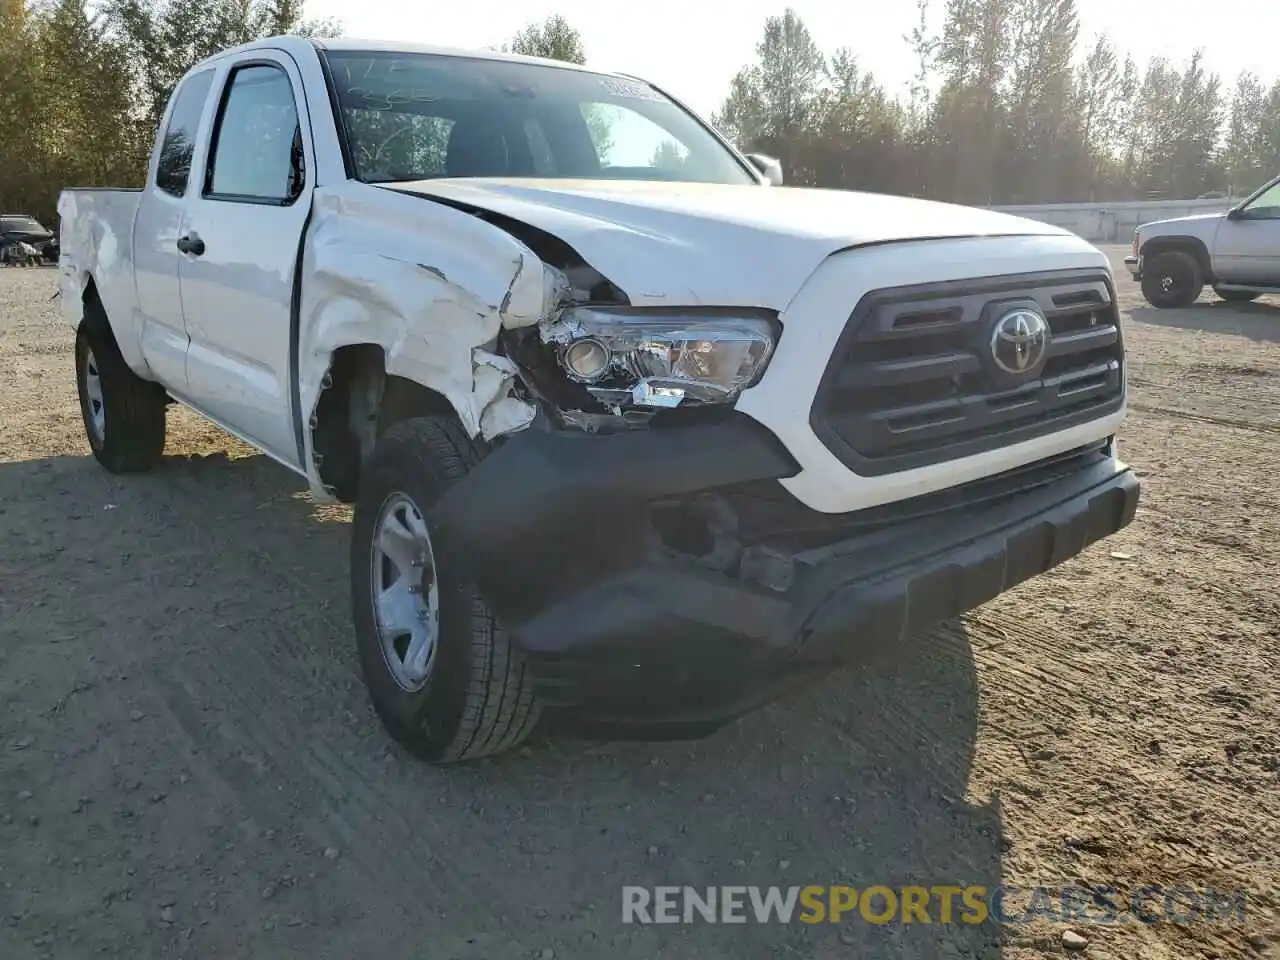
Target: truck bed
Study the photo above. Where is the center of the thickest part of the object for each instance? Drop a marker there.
(95, 234)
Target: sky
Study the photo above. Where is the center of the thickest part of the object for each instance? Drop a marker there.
(692, 48)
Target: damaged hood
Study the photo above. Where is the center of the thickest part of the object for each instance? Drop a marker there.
(711, 244)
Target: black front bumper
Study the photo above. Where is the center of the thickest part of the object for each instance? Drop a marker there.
(666, 576)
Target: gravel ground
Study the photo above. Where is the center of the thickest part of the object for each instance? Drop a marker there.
(189, 766)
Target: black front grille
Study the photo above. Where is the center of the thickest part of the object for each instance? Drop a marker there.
(913, 382)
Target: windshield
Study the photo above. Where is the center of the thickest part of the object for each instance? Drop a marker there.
(20, 225)
(417, 116)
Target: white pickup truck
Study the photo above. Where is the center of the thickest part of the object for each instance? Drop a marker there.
(630, 430)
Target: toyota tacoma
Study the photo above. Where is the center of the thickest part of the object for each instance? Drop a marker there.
(630, 429)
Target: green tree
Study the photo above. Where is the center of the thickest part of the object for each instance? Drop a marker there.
(973, 57)
(1127, 127)
(88, 124)
(1098, 99)
(1004, 107)
(1268, 138)
(1153, 123)
(163, 39)
(553, 39)
(86, 83)
(858, 139)
(1201, 112)
(1043, 145)
(773, 103)
(924, 49)
(1245, 160)
(22, 149)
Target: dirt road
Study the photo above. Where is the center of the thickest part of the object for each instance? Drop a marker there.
(189, 767)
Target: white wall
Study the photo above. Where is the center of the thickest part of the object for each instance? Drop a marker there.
(1113, 222)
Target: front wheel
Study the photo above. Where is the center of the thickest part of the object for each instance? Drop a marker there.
(445, 680)
(1172, 279)
(1236, 296)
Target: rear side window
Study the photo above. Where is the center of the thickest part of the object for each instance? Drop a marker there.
(257, 145)
(179, 144)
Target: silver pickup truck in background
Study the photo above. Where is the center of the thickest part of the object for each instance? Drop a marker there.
(1236, 252)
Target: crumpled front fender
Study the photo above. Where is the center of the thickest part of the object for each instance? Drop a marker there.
(432, 286)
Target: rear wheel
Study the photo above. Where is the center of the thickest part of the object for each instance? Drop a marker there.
(445, 679)
(1236, 296)
(123, 414)
(1172, 279)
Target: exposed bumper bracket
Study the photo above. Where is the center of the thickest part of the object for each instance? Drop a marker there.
(558, 528)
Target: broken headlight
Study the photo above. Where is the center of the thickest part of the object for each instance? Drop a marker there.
(661, 358)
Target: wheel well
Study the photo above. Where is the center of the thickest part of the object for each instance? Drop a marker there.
(95, 312)
(92, 303)
(1192, 245)
(358, 402)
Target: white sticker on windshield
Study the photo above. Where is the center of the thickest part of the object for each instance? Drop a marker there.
(631, 89)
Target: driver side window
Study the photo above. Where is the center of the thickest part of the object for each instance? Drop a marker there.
(257, 148)
(1266, 206)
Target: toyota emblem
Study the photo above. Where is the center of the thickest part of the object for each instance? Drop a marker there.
(1019, 340)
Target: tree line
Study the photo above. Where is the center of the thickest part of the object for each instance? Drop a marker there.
(1006, 105)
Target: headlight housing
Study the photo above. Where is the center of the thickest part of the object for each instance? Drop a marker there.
(662, 358)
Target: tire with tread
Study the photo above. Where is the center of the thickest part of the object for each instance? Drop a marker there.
(479, 698)
(1236, 296)
(1172, 279)
(132, 438)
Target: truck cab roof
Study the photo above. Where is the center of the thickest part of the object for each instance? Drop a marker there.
(299, 45)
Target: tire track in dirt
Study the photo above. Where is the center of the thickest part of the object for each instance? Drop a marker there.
(1205, 417)
(1098, 818)
(911, 733)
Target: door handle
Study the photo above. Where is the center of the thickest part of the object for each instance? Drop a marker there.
(191, 244)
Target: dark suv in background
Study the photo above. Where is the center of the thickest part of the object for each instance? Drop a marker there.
(18, 227)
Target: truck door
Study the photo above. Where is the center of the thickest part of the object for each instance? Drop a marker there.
(1247, 247)
(156, 228)
(240, 249)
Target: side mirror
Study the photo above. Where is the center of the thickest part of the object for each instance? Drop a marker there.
(769, 168)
